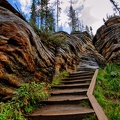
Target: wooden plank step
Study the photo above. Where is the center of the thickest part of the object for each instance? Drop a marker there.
(78, 91)
(79, 74)
(72, 86)
(56, 112)
(77, 78)
(65, 99)
(75, 81)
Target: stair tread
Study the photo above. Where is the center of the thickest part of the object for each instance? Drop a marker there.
(58, 110)
(72, 85)
(68, 91)
(80, 77)
(72, 81)
(67, 98)
(82, 72)
(64, 102)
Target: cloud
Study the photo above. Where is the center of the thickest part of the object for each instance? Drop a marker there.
(91, 12)
(86, 16)
(25, 5)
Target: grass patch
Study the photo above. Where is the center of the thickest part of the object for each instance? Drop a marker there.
(107, 90)
(84, 103)
(25, 100)
(58, 78)
(90, 117)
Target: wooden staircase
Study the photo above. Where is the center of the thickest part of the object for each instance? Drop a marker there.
(68, 101)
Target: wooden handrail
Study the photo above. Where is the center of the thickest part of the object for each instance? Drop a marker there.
(97, 108)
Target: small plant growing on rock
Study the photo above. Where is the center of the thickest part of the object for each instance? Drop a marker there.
(57, 79)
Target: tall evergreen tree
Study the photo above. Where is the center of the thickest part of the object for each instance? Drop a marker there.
(48, 16)
(116, 6)
(42, 15)
(72, 17)
(33, 12)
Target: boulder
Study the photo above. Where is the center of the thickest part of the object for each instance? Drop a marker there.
(107, 40)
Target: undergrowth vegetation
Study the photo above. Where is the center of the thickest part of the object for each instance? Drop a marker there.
(59, 77)
(25, 100)
(48, 37)
(107, 91)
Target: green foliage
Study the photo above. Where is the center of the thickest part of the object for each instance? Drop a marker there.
(90, 117)
(10, 111)
(84, 103)
(57, 79)
(58, 39)
(25, 100)
(72, 18)
(107, 90)
(49, 38)
(33, 12)
(42, 17)
(109, 77)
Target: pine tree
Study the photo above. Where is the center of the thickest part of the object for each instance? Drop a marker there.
(42, 15)
(48, 16)
(116, 6)
(50, 21)
(33, 12)
(72, 17)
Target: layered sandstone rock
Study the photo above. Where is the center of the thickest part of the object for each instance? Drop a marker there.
(77, 52)
(23, 57)
(107, 40)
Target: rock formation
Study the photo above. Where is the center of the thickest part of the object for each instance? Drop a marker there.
(107, 40)
(78, 51)
(25, 58)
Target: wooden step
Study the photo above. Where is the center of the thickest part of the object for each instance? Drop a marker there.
(77, 91)
(72, 86)
(78, 78)
(58, 112)
(80, 74)
(65, 99)
(75, 81)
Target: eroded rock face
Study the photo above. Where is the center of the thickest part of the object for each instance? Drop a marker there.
(23, 57)
(107, 40)
(77, 52)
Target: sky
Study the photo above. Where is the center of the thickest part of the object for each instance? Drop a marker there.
(92, 13)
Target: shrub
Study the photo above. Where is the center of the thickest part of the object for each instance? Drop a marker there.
(25, 100)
